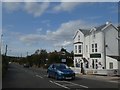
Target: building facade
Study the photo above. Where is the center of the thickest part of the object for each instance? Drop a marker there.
(97, 48)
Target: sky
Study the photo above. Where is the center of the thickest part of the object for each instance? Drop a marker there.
(28, 26)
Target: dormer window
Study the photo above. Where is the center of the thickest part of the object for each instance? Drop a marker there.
(78, 38)
(93, 33)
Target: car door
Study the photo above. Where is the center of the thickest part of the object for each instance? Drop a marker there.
(50, 70)
(53, 70)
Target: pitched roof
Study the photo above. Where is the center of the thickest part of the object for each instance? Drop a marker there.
(115, 57)
(100, 27)
(85, 31)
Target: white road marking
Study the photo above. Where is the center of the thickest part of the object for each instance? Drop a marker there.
(79, 85)
(73, 84)
(59, 84)
(45, 75)
(39, 76)
(114, 81)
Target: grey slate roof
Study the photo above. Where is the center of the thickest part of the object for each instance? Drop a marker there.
(100, 27)
(87, 32)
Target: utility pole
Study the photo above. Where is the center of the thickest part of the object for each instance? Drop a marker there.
(27, 54)
(6, 50)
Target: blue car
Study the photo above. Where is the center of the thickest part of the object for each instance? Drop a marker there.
(60, 71)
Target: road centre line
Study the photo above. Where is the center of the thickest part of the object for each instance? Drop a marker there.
(73, 84)
(79, 85)
(59, 84)
(39, 76)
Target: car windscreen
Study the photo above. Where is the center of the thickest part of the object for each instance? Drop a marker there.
(61, 67)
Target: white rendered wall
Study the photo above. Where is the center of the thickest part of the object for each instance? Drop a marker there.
(111, 41)
(114, 61)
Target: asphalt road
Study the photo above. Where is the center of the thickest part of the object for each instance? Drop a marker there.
(19, 77)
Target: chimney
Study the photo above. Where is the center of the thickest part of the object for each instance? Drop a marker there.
(108, 22)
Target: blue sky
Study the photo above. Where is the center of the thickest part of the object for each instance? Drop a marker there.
(27, 26)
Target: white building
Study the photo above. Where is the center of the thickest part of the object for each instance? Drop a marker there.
(97, 48)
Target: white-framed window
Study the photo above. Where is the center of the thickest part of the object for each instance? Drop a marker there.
(111, 65)
(95, 47)
(95, 63)
(79, 48)
(75, 48)
(75, 60)
(92, 47)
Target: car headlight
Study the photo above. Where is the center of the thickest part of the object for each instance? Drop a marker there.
(59, 72)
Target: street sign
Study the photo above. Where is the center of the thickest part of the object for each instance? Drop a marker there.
(63, 60)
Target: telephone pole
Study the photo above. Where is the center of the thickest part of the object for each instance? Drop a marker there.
(6, 50)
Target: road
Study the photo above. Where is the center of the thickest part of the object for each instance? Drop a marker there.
(19, 77)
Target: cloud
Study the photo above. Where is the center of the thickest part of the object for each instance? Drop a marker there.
(60, 0)
(39, 30)
(51, 40)
(37, 9)
(23, 0)
(34, 8)
(62, 36)
(65, 43)
(31, 38)
(12, 6)
(66, 6)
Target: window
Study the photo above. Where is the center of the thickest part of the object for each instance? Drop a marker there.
(92, 47)
(93, 63)
(96, 61)
(75, 48)
(79, 48)
(96, 66)
(78, 38)
(75, 60)
(95, 47)
(111, 65)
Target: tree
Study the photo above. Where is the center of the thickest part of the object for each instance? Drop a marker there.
(43, 56)
(53, 57)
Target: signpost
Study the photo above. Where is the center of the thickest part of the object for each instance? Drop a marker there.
(63, 60)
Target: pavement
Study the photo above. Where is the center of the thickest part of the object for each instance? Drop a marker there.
(115, 79)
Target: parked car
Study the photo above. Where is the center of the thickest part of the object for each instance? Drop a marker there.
(26, 65)
(60, 71)
(9, 62)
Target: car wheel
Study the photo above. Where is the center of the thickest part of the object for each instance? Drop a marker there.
(56, 77)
